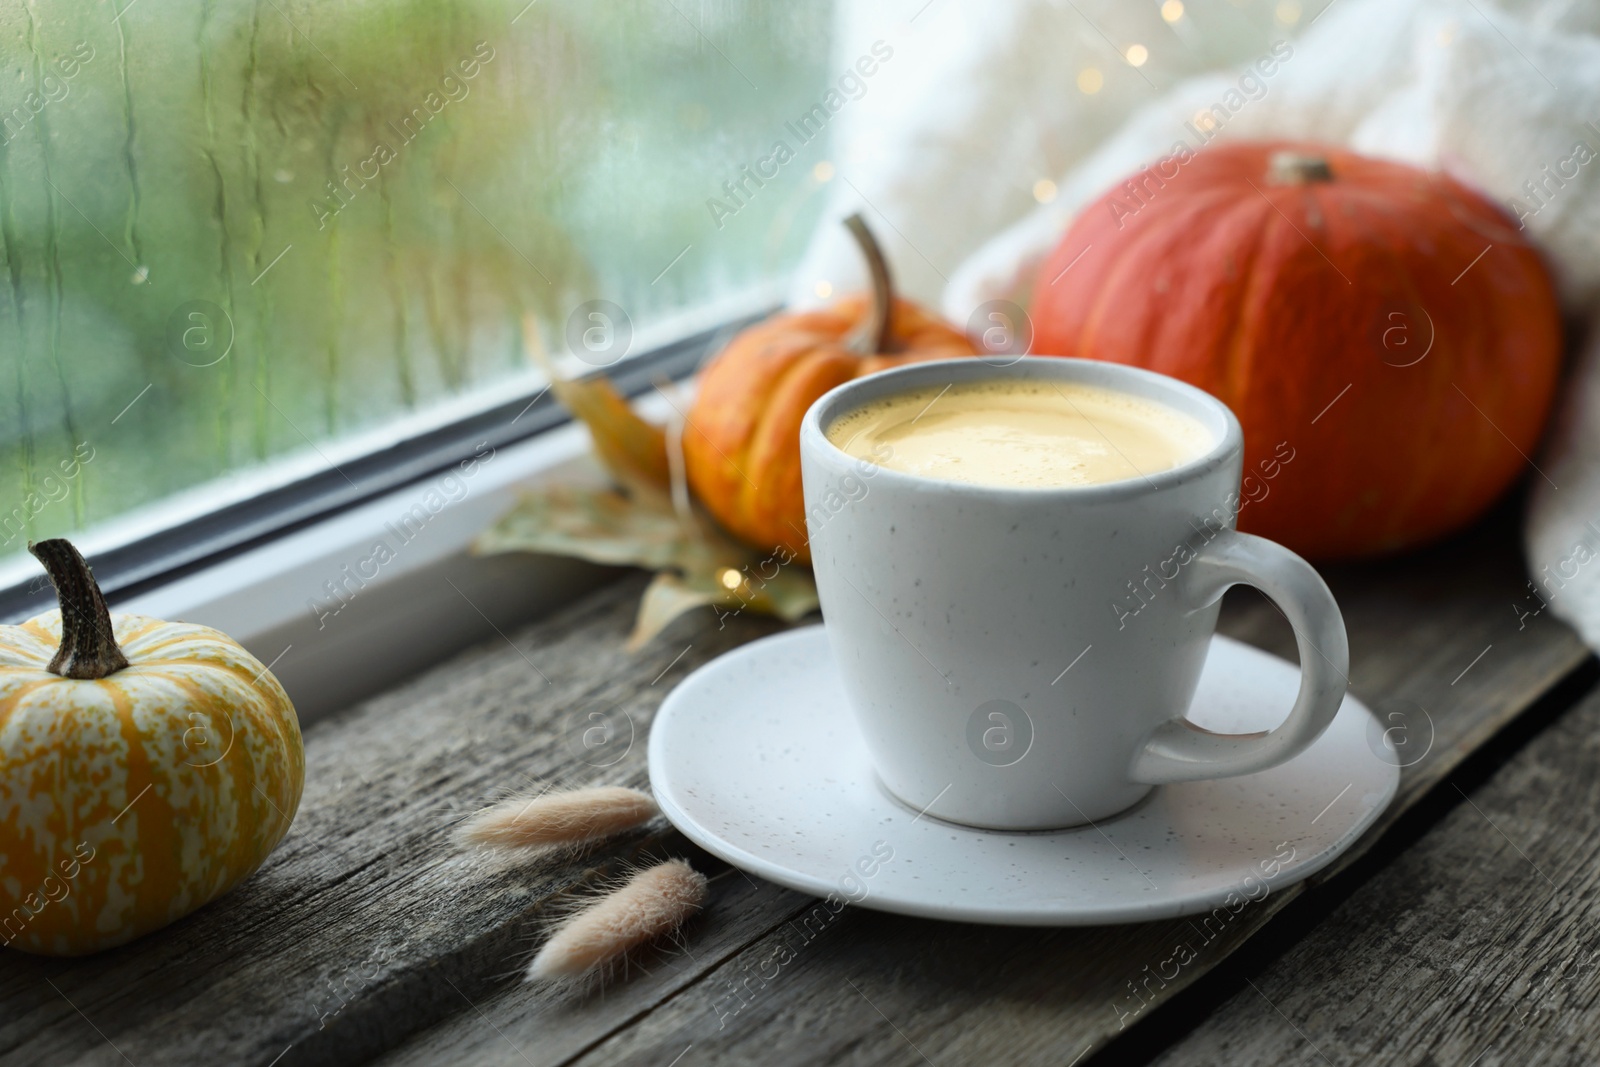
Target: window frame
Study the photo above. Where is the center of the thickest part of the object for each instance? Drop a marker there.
(146, 563)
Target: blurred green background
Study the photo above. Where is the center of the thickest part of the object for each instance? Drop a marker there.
(164, 191)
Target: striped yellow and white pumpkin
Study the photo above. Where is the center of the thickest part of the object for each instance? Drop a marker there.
(146, 768)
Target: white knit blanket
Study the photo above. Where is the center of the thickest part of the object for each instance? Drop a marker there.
(980, 104)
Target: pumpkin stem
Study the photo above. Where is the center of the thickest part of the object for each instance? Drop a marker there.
(872, 335)
(1293, 168)
(88, 649)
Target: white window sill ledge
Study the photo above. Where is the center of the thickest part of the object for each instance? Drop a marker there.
(403, 610)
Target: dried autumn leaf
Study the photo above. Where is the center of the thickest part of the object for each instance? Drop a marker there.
(649, 522)
(632, 449)
(599, 525)
(695, 564)
(667, 597)
(790, 595)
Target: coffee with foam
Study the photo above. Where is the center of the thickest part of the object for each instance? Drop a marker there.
(1029, 434)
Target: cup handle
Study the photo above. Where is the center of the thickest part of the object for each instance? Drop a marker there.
(1180, 751)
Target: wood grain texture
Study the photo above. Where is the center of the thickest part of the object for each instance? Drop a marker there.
(884, 989)
(1478, 945)
(368, 933)
(368, 923)
(874, 988)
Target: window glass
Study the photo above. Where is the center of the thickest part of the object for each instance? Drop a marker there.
(238, 235)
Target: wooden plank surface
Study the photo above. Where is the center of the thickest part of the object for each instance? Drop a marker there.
(367, 923)
(1478, 945)
(367, 932)
(889, 990)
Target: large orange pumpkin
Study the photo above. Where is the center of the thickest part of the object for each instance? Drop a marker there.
(1386, 327)
(146, 767)
(741, 443)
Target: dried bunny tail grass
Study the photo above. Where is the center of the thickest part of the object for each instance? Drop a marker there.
(566, 818)
(652, 904)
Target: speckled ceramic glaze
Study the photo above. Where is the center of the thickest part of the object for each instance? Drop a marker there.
(1023, 658)
(757, 758)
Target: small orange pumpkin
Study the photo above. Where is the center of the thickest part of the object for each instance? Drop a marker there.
(741, 443)
(146, 767)
(1386, 327)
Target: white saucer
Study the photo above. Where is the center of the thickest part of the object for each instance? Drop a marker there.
(755, 757)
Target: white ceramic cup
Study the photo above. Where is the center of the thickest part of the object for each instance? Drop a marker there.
(1022, 659)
